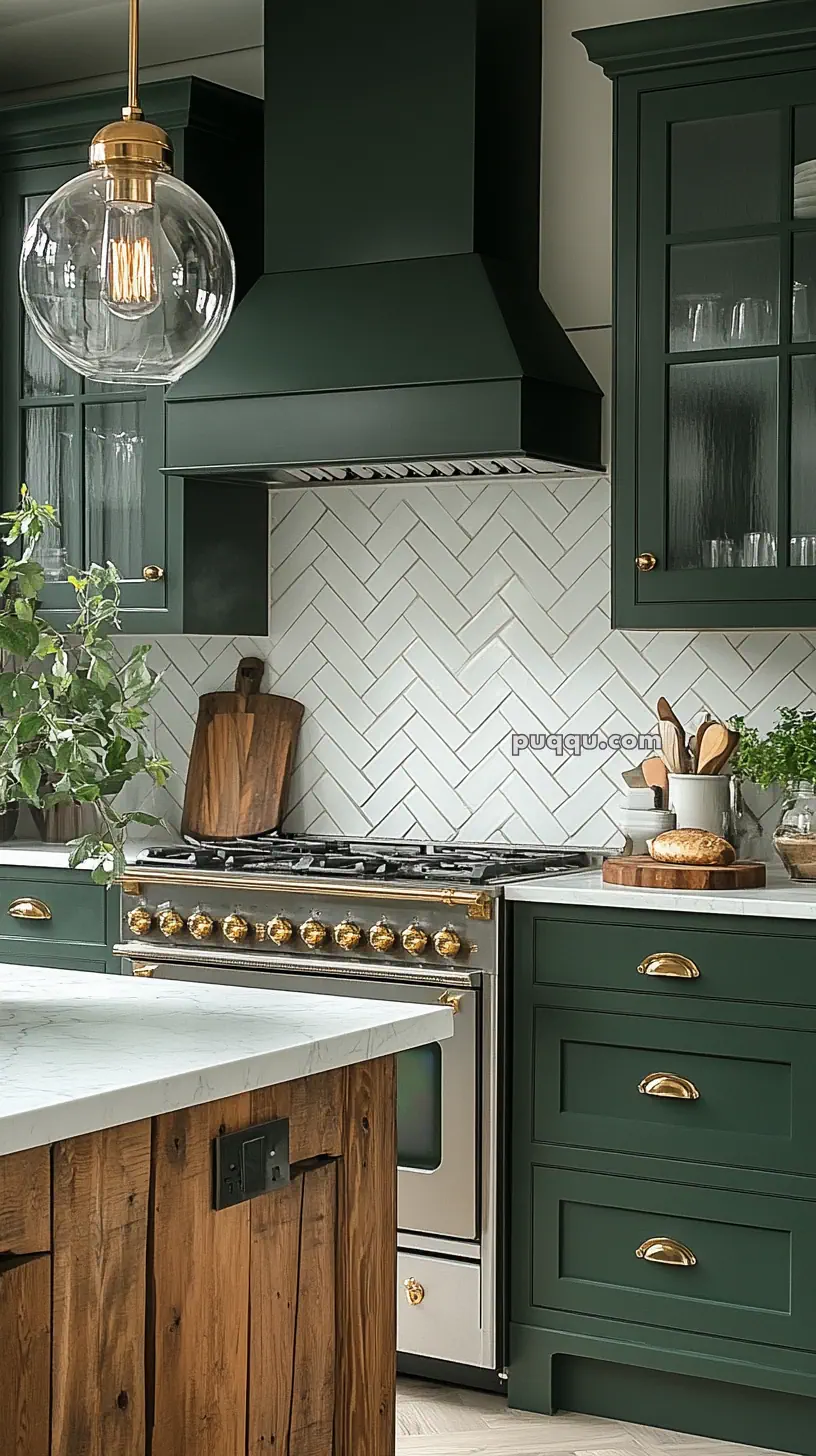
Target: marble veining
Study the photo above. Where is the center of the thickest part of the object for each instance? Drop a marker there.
(781, 897)
(80, 1052)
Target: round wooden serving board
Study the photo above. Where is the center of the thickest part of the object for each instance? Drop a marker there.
(644, 873)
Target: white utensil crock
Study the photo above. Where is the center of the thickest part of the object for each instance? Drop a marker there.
(700, 801)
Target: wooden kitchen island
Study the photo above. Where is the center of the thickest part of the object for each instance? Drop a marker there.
(136, 1317)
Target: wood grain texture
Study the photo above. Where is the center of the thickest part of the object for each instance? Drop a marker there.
(25, 1202)
(314, 1107)
(643, 872)
(100, 1212)
(366, 1263)
(25, 1356)
(240, 764)
(313, 1382)
(201, 1279)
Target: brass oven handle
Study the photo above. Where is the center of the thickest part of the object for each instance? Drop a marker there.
(27, 909)
(666, 1084)
(450, 998)
(668, 963)
(666, 1251)
(144, 968)
(414, 1291)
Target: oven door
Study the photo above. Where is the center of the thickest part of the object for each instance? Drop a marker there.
(438, 1105)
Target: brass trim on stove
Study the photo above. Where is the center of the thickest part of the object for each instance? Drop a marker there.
(479, 902)
(378, 970)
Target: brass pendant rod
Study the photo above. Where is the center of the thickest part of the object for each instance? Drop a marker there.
(134, 110)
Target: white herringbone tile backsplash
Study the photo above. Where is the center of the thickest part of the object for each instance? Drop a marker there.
(422, 627)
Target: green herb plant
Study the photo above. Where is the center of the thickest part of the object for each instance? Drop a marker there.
(786, 755)
(74, 715)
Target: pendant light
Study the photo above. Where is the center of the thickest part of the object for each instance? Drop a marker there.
(126, 273)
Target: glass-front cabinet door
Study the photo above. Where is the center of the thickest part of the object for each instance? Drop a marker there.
(725, 409)
(93, 451)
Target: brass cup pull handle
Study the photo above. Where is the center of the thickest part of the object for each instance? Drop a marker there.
(668, 963)
(29, 909)
(646, 561)
(153, 573)
(414, 1291)
(450, 998)
(666, 1251)
(665, 1084)
(143, 968)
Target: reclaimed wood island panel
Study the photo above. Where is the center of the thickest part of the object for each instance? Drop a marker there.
(138, 1315)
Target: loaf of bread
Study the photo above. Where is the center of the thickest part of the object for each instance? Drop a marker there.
(691, 847)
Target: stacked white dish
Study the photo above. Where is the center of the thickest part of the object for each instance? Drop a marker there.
(804, 189)
(640, 825)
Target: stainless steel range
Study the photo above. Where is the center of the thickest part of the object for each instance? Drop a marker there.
(403, 921)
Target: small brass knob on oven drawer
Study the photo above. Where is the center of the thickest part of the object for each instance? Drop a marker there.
(414, 939)
(452, 1000)
(414, 1291)
(140, 920)
(200, 925)
(666, 1251)
(447, 943)
(313, 934)
(381, 936)
(143, 968)
(279, 930)
(646, 561)
(347, 935)
(235, 928)
(171, 923)
(153, 573)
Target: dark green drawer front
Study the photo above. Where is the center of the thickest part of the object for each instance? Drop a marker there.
(77, 912)
(757, 1089)
(734, 965)
(755, 1276)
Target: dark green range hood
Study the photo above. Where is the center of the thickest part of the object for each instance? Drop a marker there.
(398, 331)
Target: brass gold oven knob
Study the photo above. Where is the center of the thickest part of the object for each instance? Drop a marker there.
(381, 936)
(140, 920)
(280, 930)
(414, 1291)
(235, 928)
(201, 926)
(447, 943)
(348, 935)
(313, 934)
(414, 939)
(170, 922)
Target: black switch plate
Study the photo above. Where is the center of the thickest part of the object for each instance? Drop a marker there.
(250, 1162)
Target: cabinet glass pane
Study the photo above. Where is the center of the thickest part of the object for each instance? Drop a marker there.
(724, 295)
(804, 162)
(803, 302)
(43, 373)
(725, 171)
(722, 478)
(803, 460)
(115, 485)
(48, 435)
(419, 1108)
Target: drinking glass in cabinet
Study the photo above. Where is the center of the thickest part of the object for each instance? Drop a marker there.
(54, 562)
(720, 551)
(759, 548)
(752, 323)
(698, 322)
(800, 317)
(803, 551)
(802, 454)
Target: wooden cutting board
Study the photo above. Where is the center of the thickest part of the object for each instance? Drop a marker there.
(241, 759)
(645, 873)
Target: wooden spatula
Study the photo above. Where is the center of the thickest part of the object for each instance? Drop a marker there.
(681, 761)
(718, 745)
(657, 776)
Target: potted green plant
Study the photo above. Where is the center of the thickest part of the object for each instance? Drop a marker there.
(74, 713)
(785, 756)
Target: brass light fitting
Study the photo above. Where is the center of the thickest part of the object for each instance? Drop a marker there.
(130, 152)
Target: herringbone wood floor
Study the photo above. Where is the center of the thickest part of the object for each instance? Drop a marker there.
(436, 1420)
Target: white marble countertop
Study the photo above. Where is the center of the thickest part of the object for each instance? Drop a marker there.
(789, 899)
(80, 1052)
(36, 855)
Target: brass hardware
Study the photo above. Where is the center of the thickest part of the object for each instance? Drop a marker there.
(665, 1084)
(130, 887)
(201, 926)
(313, 934)
(668, 963)
(479, 909)
(646, 561)
(414, 939)
(26, 909)
(666, 1251)
(140, 920)
(235, 928)
(260, 932)
(153, 573)
(348, 935)
(381, 936)
(279, 930)
(447, 943)
(451, 999)
(414, 1291)
(132, 150)
(170, 922)
(142, 968)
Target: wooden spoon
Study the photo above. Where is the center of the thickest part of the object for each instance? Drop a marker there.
(666, 714)
(717, 764)
(712, 748)
(657, 777)
(674, 748)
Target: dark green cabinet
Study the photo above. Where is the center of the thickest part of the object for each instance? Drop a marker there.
(193, 557)
(612, 1011)
(56, 917)
(714, 513)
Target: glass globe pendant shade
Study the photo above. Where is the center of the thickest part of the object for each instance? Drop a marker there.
(128, 276)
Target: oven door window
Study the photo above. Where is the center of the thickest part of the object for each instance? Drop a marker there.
(419, 1108)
